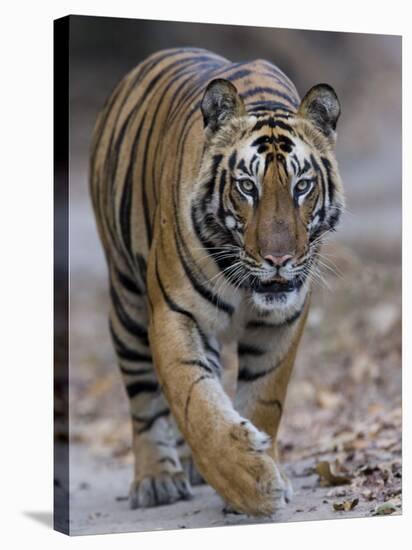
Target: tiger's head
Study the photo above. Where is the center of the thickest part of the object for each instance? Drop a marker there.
(269, 190)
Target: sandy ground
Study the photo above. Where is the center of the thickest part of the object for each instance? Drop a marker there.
(100, 506)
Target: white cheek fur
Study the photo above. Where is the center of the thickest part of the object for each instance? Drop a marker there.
(230, 222)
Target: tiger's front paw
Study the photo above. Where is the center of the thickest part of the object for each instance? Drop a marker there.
(244, 473)
(164, 488)
(282, 495)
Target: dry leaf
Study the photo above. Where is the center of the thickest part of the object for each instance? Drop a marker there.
(385, 509)
(329, 478)
(346, 505)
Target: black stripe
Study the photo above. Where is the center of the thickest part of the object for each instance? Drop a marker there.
(141, 262)
(242, 166)
(127, 322)
(174, 307)
(238, 74)
(232, 160)
(135, 372)
(126, 199)
(260, 105)
(124, 352)
(279, 76)
(263, 324)
(200, 288)
(306, 167)
(322, 181)
(115, 148)
(285, 144)
(215, 365)
(105, 113)
(269, 158)
(210, 185)
(295, 163)
(171, 304)
(254, 159)
(273, 123)
(136, 388)
(148, 422)
(198, 363)
(246, 349)
(221, 209)
(245, 375)
(271, 91)
(128, 283)
(331, 183)
(262, 140)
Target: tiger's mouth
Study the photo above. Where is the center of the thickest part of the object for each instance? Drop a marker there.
(275, 286)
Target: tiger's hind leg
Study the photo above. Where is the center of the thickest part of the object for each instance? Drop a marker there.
(158, 475)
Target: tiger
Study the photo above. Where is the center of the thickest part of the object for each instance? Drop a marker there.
(213, 186)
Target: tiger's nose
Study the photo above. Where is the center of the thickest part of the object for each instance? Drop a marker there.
(277, 260)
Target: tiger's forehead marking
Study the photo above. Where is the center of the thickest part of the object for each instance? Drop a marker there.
(291, 154)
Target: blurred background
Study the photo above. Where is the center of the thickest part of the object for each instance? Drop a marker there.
(344, 398)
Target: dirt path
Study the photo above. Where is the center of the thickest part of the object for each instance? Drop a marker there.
(100, 505)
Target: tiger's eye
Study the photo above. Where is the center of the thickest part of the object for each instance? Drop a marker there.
(247, 185)
(303, 186)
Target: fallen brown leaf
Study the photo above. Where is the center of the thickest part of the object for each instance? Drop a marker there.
(329, 478)
(346, 505)
(385, 509)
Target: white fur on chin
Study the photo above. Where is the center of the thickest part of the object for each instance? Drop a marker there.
(282, 305)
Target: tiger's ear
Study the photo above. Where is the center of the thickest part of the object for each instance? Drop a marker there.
(321, 106)
(220, 103)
